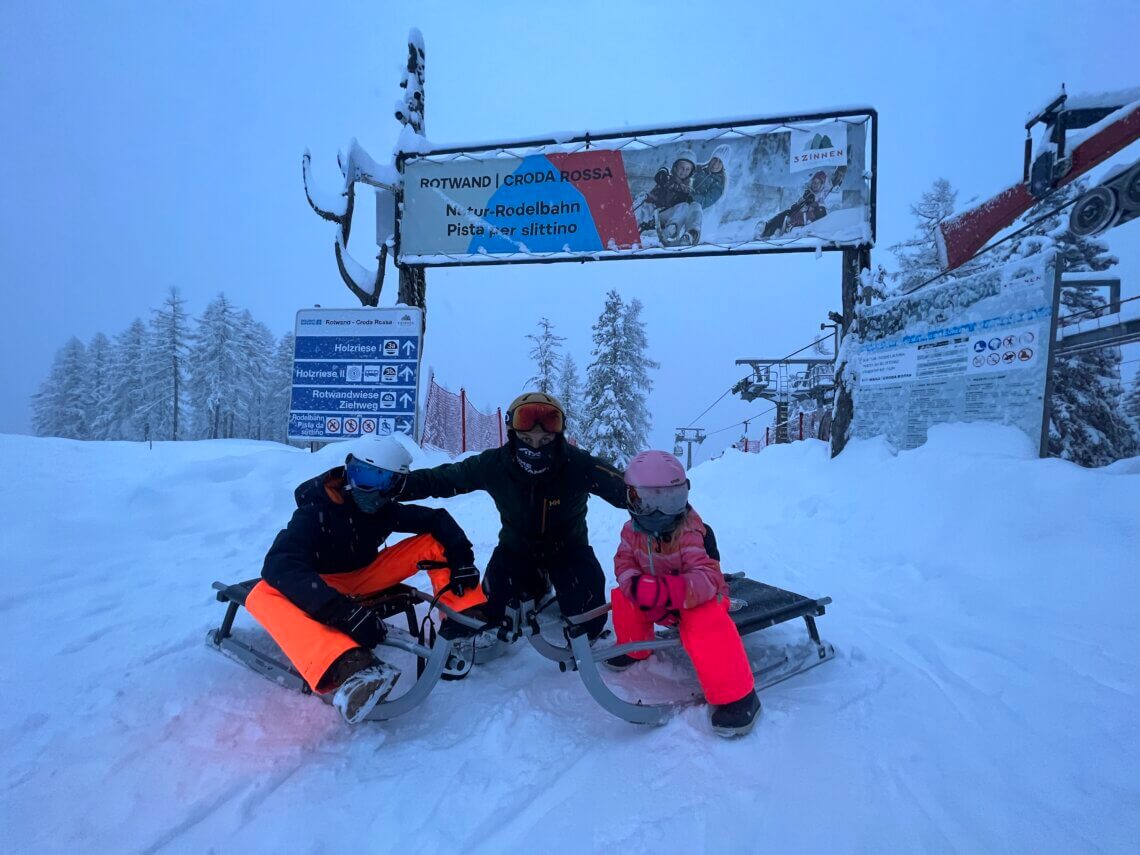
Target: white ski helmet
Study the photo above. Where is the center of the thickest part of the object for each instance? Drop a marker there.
(383, 453)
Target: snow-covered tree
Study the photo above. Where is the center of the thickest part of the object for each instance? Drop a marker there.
(616, 418)
(280, 389)
(1131, 404)
(125, 414)
(638, 365)
(97, 388)
(918, 256)
(215, 369)
(169, 344)
(545, 357)
(58, 408)
(1087, 424)
(570, 392)
(254, 410)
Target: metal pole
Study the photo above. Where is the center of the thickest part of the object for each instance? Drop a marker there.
(462, 419)
(854, 262)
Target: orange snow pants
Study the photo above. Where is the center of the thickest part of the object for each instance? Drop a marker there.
(313, 647)
(709, 637)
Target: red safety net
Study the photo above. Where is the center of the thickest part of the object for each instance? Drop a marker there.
(451, 424)
(814, 424)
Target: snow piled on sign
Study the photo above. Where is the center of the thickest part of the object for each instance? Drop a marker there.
(984, 698)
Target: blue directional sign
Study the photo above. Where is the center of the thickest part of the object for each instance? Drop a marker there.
(355, 372)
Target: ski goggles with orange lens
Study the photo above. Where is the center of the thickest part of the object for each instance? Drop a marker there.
(526, 417)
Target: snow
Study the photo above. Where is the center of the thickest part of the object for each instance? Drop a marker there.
(1081, 100)
(364, 167)
(364, 279)
(1077, 137)
(334, 203)
(984, 697)
(558, 141)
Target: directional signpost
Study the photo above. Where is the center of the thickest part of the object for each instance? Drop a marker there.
(355, 371)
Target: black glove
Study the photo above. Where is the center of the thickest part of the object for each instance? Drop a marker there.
(464, 579)
(363, 625)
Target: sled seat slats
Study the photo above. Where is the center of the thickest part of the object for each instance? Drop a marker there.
(758, 606)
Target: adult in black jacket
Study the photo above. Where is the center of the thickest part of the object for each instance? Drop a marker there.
(540, 484)
(333, 550)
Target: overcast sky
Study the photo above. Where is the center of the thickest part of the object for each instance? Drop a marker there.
(157, 144)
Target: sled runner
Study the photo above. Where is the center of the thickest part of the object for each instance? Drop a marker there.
(561, 639)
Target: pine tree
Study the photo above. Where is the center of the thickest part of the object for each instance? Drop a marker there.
(1131, 405)
(125, 415)
(58, 408)
(169, 343)
(1087, 425)
(254, 384)
(918, 256)
(280, 389)
(97, 389)
(616, 418)
(570, 392)
(638, 365)
(544, 355)
(214, 366)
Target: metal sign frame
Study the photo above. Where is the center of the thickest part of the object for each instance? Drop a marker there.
(584, 142)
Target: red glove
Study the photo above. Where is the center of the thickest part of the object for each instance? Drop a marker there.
(651, 597)
(677, 591)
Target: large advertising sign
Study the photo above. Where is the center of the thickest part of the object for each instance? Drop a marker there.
(762, 185)
(972, 349)
(355, 372)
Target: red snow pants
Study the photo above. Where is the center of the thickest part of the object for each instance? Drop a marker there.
(709, 637)
(313, 647)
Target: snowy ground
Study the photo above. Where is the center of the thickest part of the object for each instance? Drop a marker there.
(984, 698)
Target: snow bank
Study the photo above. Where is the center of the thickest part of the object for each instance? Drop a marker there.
(984, 697)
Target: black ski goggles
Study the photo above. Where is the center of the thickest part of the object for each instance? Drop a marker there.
(366, 478)
(526, 417)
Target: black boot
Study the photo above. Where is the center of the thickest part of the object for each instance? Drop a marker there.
(620, 662)
(348, 663)
(736, 718)
(361, 681)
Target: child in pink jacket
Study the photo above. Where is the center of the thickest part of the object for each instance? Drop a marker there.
(668, 572)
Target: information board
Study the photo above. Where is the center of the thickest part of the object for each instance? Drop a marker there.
(970, 349)
(757, 185)
(355, 372)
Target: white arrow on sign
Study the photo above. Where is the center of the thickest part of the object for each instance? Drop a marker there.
(409, 347)
(407, 373)
(404, 426)
(406, 399)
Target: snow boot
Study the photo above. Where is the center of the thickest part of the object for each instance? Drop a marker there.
(736, 718)
(363, 690)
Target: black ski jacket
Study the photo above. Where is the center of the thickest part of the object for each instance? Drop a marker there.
(330, 534)
(541, 514)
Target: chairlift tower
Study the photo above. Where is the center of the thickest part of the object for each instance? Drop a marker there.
(688, 436)
(773, 380)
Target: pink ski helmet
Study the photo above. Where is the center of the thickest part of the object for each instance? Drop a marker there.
(657, 492)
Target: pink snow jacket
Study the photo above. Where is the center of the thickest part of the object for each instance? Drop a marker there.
(683, 554)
